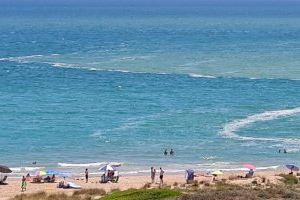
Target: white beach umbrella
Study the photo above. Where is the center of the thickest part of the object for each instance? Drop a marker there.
(107, 168)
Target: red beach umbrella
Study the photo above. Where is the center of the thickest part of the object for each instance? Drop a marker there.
(249, 166)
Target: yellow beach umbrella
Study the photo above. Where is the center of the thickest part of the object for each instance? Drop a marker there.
(217, 172)
(40, 173)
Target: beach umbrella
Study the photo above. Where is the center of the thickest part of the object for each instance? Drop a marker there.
(4, 169)
(59, 173)
(217, 172)
(40, 173)
(53, 172)
(107, 168)
(190, 171)
(292, 167)
(249, 166)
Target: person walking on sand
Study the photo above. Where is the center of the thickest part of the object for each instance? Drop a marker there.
(153, 172)
(24, 184)
(86, 175)
(161, 176)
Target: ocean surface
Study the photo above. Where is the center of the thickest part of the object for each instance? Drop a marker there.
(82, 86)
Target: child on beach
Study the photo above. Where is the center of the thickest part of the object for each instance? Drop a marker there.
(153, 172)
(24, 184)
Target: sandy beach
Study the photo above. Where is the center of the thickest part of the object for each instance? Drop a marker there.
(14, 186)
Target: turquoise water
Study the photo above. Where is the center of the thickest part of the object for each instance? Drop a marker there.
(83, 86)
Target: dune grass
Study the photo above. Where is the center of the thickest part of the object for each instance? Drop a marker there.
(288, 189)
(142, 194)
(235, 192)
(91, 192)
(83, 194)
(289, 179)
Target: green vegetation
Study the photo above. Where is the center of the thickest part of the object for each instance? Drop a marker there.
(289, 179)
(142, 194)
(288, 189)
(83, 194)
(91, 192)
(44, 196)
(235, 192)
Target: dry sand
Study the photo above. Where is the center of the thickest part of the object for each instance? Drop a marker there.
(14, 186)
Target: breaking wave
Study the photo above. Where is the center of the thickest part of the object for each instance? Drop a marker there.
(53, 60)
(25, 169)
(230, 130)
(201, 76)
(97, 164)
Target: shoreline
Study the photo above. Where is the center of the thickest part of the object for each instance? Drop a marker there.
(124, 170)
(133, 181)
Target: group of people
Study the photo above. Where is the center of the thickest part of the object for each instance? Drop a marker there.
(283, 150)
(37, 179)
(49, 179)
(161, 175)
(172, 152)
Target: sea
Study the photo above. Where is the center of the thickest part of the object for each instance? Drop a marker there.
(82, 86)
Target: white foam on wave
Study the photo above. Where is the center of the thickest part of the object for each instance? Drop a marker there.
(201, 76)
(26, 169)
(58, 64)
(209, 157)
(20, 59)
(44, 60)
(246, 169)
(96, 164)
(230, 129)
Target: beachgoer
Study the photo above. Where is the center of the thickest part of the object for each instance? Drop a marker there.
(24, 184)
(34, 162)
(86, 175)
(28, 178)
(116, 176)
(279, 151)
(53, 178)
(161, 176)
(153, 172)
(250, 173)
(284, 151)
(172, 152)
(47, 179)
(166, 152)
(214, 177)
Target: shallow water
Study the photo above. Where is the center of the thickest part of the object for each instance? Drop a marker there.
(91, 85)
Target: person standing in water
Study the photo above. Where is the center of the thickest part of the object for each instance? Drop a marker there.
(24, 184)
(161, 176)
(166, 152)
(172, 152)
(86, 175)
(153, 172)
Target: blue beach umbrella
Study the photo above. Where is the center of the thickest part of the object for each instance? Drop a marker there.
(53, 172)
(190, 174)
(292, 167)
(59, 173)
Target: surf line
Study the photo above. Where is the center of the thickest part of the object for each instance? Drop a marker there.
(229, 130)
